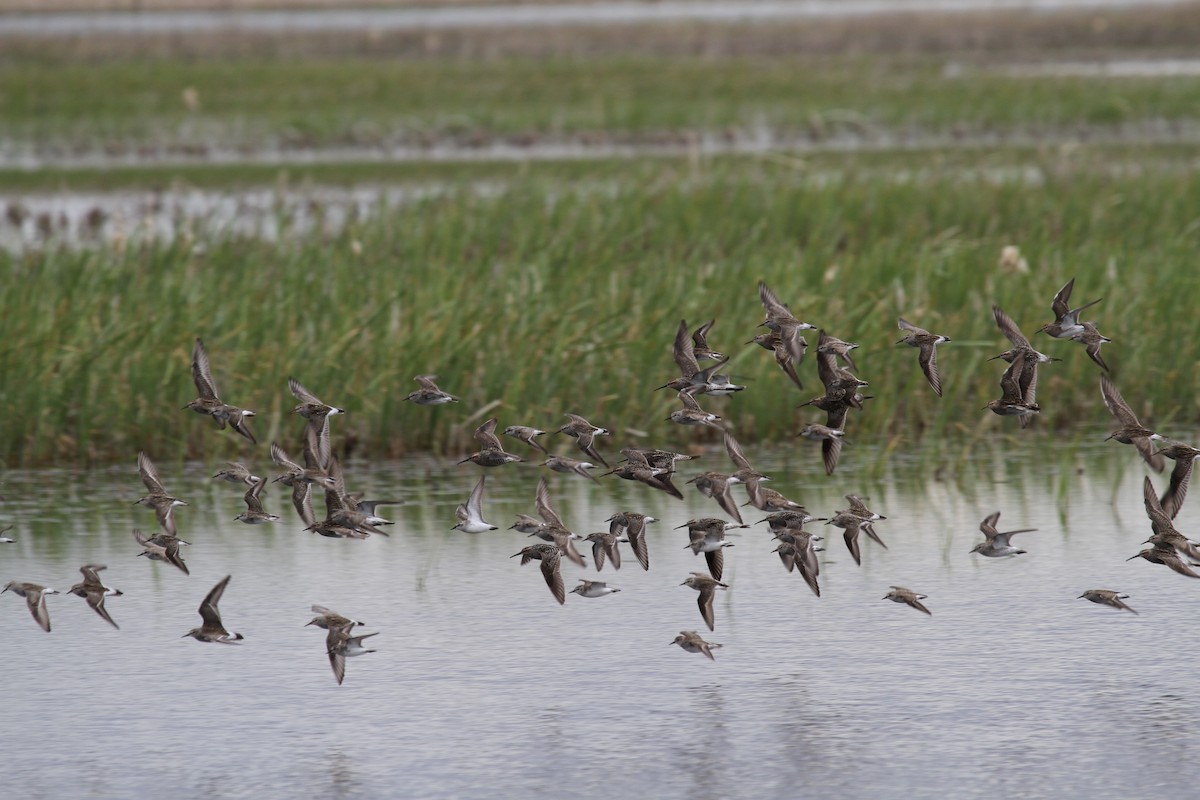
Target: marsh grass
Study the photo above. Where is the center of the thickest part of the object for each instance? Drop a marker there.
(558, 295)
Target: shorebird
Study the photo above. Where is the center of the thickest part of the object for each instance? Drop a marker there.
(207, 401)
(851, 524)
(692, 378)
(340, 644)
(1184, 456)
(764, 498)
(691, 642)
(158, 499)
(778, 317)
(899, 594)
(236, 473)
(549, 555)
(1131, 431)
(700, 343)
(927, 358)
(1091, 338)
(35, 598)
(1012, 402)
(693, 414)
(634, 526)
(492, 452)
(593, 589)
(1166, 555)
(605, 544)
(782, 520)
(527, 435)
(1020, 344)
(832, 346)
(797, 549)
(327, 618)
(5, 539)
(429, 394)
(570, 466)
(212, 630)
(653, 457)
(707, 535)
(584, 433)
(831, 440)
(1106, 597)
(1162, 525)
(157, 550)
(788, 352)
(859, 509)
(343, 511)
(996, 544)
(638, 469)
(311, 407)
(254, 513)
(718, 486)
(1066, 319)
(707, 587)
(554, 530)
(470, 514)
(94, 591)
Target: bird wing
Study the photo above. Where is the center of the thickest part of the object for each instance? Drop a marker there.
(202, 372)
(541, 501)
(149, 474)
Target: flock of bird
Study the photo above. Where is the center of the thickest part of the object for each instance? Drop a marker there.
(349, 516)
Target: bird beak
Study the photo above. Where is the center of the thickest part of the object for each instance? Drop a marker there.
(1131, 558)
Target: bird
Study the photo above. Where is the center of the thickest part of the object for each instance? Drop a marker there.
(549, 555)
(327, 618)
(1166, 555)
(167, 551)
(691, 642)
(996, 544)
(1106, 597)
(693, 414)
(700, 343)
(851, 524)
(429, 394)
(707, 586)
(638, 469)
(6, 539)
(788, 352)
(94, 591)
(831, 440)
(212, 630)
(778, 317)
(707, 536)
(310, 407)
(470, 514)
(236, 472)
(634, 526)
(593, 589)
(163, 504)
(569, 466)
(927, 358)
(1162, 525)
(254, 513)
(718, 486)
(35, 598)
(1184, 456)
(527, 435)
(797, 550)
(1012, 400)
(604, 544)
(207, 402)
(340, 644)
(1066, 319)
(492, 452)
(899, 594)
(1092, 339)
(832, 346)
(1131, 431)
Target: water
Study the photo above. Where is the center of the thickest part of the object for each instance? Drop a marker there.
(483, 686)
(600, 13)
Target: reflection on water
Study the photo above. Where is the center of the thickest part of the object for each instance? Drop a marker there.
(483, 686)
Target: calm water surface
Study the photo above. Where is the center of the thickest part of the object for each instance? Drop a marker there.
(484, 686)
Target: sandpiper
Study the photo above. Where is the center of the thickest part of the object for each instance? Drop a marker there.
(604, 544)
(634, 526)
(653, 457)
(693, 414)
(254, 513)
(1092, 339)
(470, 514)
(554, 530)
(707, 535)
(1106, 597)
(5, 539)
(158, 499)
(788, 352)
(707, 586)
(996, 544)
(779, 317)
(1184, 456)
(342, 509)
(700, 343)
(1131, 431)
(851, 525)
(570, 466)
(593, 589)
(764, 498)
(1012, 401)
(311, 407)
(1026, 375)
(797, 549)
(94, 590)
(899, 594)
(1162, 526)
(718, 486)
(340, 644)
(691, 642)
(585, 434)
(927, 358)
(212, 630)
(1066, 319)
(781, 520)
(655, 477)
(236, 472)
(207, 400)
(35, 598)
(832, 346)
(527, 435)
(492, 453)
(550, 557)
(429, 394)
(859, 509)
(831, 440)
(1166, 555)
(168, 552)
(692, 378)
(327, 618)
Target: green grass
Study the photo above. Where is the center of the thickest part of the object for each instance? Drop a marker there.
(135, 106)
(563, 294)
